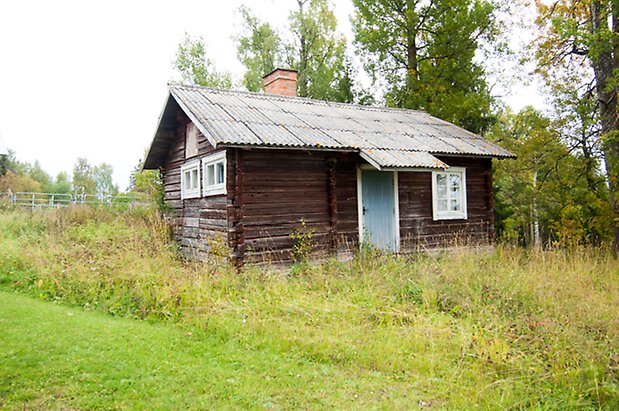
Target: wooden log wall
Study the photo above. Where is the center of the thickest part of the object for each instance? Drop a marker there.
(346, 194)
(236, 228)
(417, 228)
(269, 192)
(281, 188)
(197, 223)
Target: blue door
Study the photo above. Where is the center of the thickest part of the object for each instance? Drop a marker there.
(378, 209)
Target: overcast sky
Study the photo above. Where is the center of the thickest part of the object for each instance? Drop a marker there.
(88, 78)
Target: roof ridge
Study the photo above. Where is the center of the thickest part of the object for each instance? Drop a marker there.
(301, 99)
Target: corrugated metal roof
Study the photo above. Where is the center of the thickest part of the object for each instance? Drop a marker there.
(233, 118)
(401, 159)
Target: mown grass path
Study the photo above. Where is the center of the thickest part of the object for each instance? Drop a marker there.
(59, 357)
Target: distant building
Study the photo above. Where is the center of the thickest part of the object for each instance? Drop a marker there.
(243, 170)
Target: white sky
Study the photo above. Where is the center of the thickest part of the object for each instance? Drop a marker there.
(88, 78)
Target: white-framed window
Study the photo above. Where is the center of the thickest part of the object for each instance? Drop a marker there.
(449, 194)
(214, 174)
(190, 180)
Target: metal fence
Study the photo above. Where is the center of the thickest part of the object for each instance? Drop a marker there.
(43, 200)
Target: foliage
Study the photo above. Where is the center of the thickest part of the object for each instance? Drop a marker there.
(259, 48)
(14, 183)
(83, 182)
(98, 179)
(317, 51)
(62, 184)
(577, 56)
(510, 328)
(11, 163)
(36, 172)
(196, 68)
(148, 182)
(426, 54)
(102, 175)
(218, 247)
(23, 176)
(4, 164)
(304, 242)
(548, 194)
(26, 177)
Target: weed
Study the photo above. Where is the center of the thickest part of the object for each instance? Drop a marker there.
(509, 328)
(304, 242)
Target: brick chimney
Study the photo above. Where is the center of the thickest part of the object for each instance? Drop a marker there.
(282, 82)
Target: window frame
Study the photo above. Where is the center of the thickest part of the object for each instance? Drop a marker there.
(449, 215)
(188, 168)
(217, 188)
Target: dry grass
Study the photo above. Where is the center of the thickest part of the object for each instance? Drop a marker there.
(508, 328)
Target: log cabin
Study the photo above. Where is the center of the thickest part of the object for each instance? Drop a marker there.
(244, 171)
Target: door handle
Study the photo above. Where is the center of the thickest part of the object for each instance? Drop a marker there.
(364, 210)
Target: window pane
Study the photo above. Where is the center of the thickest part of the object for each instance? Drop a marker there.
(454, 179)
(455, 204)
(442, 205)
(455, 191)
(210, 175)
(194, 179)
(442, 192)
(441, 180)
(220, 173)
(186, 180)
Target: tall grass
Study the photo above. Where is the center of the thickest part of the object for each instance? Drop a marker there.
(510, 328)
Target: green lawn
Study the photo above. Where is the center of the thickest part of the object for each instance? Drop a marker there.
(61, 357)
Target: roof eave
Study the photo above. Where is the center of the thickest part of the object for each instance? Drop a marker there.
(150, 162)
(194, 119)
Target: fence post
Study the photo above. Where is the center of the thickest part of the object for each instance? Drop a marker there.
(33, 201)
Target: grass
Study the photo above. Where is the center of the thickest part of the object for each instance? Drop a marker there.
(60, 357)
(511, 328)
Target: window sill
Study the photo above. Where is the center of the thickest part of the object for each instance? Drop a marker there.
(185, 196)
(450, 217)
(214, 190)
(214, 193)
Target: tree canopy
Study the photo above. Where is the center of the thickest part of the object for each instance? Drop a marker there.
(259, 48)
(194, 66)
(548, 195)
(312, 46)
(577, 55)
(424, 52)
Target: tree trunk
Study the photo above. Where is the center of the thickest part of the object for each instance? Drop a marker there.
(535, 236)
(604, 65)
